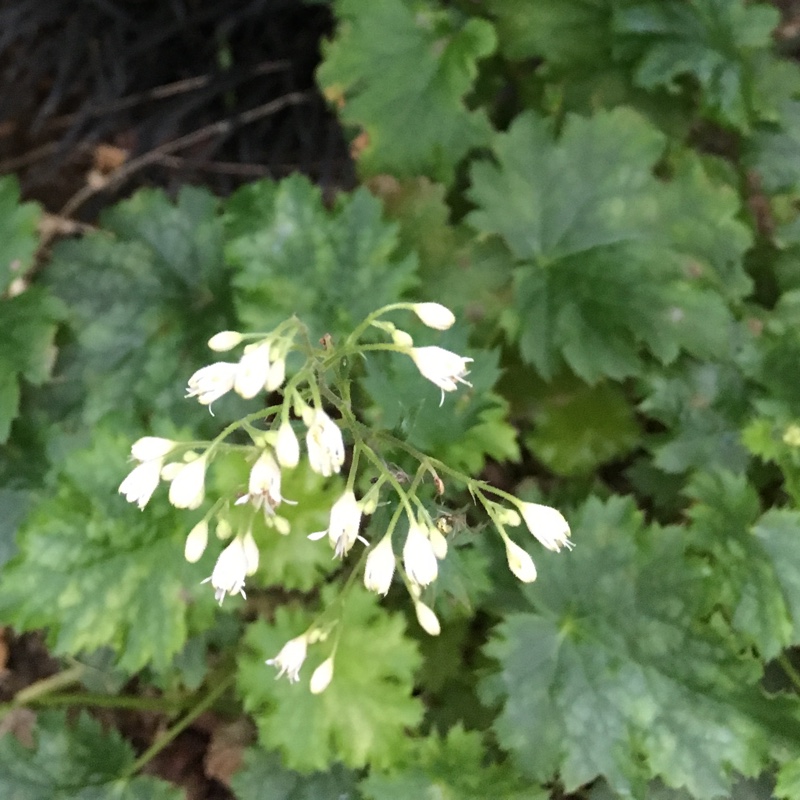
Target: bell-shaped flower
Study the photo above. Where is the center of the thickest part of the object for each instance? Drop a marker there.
(264, 485)
(225, 340)
(230, 571)
(418, 556)
(252, 370)
(435, 315)
(344, 523)
(324, 444)
(196, 542)
(321, 677)
(290, 658)
(187, 489)
(547, 524)
(442, 367)
(287, 447)
(210, 383)
(427, 619)
(520, 562)
(141, 482)
(379, 568)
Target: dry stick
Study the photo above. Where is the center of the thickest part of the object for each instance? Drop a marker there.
(222, 126)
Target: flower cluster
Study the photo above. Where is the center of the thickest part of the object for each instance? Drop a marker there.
(414, 554)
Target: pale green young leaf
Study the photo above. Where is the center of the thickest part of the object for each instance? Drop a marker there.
(75, 760)
(454, 767)
(95, 571)
(293, 256)
(599, 249)
(400, 70)
(612, 668)
(365, 713)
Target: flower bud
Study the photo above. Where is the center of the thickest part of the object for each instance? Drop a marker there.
(520, 562)
(435, 315)
(149, 448)
(321, 677)
(252, 370)
(379, 569)
(225, 340)
(418, 556)
(427, 619)
(196, 542)
(287, 446)
(187, 489)
(401, 338)
(438, 543)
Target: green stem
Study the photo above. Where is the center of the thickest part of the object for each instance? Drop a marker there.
(110, 701)
(789, 669)
(180, 726)
(38, 690)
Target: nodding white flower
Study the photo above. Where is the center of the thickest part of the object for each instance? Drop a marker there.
(325, 444)
(438, 543)
(290, 658)
(250, 552)
(427, 619)
(225, 340)
(435, 315)
(149, 448)
(196, 542)
(418, 556)
(252, 370)
(379, 569)
(187, 489)
(441, 367)
(230, 571)
(141, 482)
(547, 524)
(321, 677)
(210, 383)
(344, 524)
(265, 481)
(287, 447)
(520, 562)
(276, 375)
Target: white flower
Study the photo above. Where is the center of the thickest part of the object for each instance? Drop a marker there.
(276, 375)
(290, 658)
(402, 339)
(442, 367)
(210, 383)
(187, 489)
(252, 370)
(265, 481)
(287, 448)
(379, 569)
(229, 571)
(250, 552)
(196, 542)
(418, 556)
(325, 444)
(141, 482)
(149, 448)
(344, 524)
(520, 563)
(321, 677)
(547, 525)
(435, 315)
(225, 340)
(438, 543)
(427, 619)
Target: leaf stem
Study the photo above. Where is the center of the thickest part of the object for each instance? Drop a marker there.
(41, 688)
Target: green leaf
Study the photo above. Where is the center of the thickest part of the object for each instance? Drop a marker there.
(714, 41)
(450, 768)
(263, 777)
(774, 152)
(611, 675)
(97, 572)
(362, 717)
(77, 762)
(28, 322)
(144, 296)
(18, 232)
(788, 783)
(400, 71)
(292, 256)
(600, 271)
(579, 427)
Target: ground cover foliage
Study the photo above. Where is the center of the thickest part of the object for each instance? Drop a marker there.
(606, 194)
